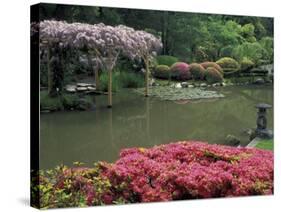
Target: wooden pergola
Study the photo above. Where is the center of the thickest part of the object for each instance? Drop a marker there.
(117, 40)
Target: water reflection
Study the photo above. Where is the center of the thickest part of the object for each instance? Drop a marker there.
(138, 121)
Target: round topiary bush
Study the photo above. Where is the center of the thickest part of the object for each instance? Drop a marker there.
(180, 71)
(162, 72)
(213, 65)
(228, 64)
(246, 64)
(213, 75)
(166, 60)
(197, 71)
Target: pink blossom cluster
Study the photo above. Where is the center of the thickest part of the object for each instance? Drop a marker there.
(175, 171)
(180, 71)
(188, 170)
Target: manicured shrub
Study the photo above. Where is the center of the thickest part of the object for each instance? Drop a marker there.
(213, 75)
(213, 65)
(162, 72)
(180, 71)
(175, 171)
(228, 64)
(246, 64)
(166, 60)
(197, 71)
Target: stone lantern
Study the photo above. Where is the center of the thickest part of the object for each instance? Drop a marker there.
(261, 130)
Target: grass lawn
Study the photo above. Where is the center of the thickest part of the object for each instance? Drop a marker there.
(266, 144)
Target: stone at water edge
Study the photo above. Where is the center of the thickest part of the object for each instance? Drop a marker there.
(80, 89)
(184, 84)
(232, 140)
(152, 82)
(90, 88)
(70, 88)
(178, 85)
(259, 81)
(81, 84)
(203, 85)
(190, 86)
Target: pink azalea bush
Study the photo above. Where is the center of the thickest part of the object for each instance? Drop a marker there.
(175, 171)
(180, 71)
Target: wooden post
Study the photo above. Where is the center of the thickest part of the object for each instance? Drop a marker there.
(109, 88)
(97, 78)
(147, 108)
(49, 70)
(146, 78)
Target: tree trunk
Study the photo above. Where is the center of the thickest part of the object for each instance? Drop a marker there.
(109, 88)
(146, 77)
(97, 81)
(49, 70)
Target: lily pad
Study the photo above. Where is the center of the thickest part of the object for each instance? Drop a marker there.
(175, 94)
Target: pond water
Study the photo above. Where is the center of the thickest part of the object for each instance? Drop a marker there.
(136, 121)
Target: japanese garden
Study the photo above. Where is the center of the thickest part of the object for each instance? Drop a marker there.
(148, 106)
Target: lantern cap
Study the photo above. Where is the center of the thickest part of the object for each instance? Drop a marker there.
(263, 106)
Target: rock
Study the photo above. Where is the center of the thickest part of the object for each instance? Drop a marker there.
(81, 84)
(208, 86)
(143, 70)
(232, 140)
(81, 89)
(265, 134)
(70, 88)
(259, 81)
(184, 84)
(223, 84)
(152, 82)
(178, 85)
(203, 85)
(190, 86)
(90, 88)
(84, 104)
(251, 133)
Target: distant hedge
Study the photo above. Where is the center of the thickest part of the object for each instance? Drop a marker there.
(166, 60)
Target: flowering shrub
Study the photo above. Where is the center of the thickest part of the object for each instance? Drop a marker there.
(213, 75)
(175, 171)
(162, 72)
(180, 71)
(228, 64)
(213, 65)
(197, 71)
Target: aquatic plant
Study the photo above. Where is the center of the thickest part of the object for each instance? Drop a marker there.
(175, 171)
(180, 71)
(175, 94)
(197, 71)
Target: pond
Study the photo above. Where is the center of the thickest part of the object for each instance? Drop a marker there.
(136, 121)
